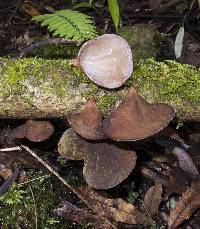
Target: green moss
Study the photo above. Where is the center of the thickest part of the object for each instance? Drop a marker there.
(60, 51)
(108, 101)
(18, 206)
(143, 40)
(169, 82)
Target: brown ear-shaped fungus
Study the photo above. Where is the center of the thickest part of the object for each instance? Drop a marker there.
(88, 123)
(35, 131)
(71, 146)
(106, 60)
(136, 119)
(107, 165)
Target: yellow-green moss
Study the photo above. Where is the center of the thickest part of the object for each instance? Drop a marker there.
(169, 82)
(52, 51)
(143, 40)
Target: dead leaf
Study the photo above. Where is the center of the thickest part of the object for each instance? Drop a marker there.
(185, 162)
(5, 171)
(179, 180)
(30, 10)
(75, 214)
(191, 51)
(152, 198)
(187, 204)
(115, 209)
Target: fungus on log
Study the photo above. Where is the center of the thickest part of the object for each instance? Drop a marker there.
(38, 88)
(88, 123)
(106, 60)
(35, 131)
(136, 119)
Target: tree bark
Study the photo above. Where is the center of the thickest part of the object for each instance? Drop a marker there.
(38, 88)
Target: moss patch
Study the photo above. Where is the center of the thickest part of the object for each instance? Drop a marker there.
(169, 82)
(38, 196)
(143, 40)
(56, 80)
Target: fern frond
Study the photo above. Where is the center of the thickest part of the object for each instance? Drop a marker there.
(68, 24)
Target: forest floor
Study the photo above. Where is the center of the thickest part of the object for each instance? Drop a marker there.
(47, 190)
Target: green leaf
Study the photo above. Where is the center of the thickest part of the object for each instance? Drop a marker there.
(69, 24)
(114, 11)
(83, 5)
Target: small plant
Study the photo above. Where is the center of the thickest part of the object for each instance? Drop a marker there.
(69, 24)
(114, 12)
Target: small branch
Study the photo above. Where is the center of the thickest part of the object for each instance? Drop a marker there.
(45, 42)
(17, 148)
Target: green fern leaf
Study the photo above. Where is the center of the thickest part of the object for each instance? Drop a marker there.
(68, 24)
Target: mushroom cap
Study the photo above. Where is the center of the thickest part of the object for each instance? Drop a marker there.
(88, 123)
(107, 165)
(107, 60)
(136, 119)
(71, 146)
(35, 131)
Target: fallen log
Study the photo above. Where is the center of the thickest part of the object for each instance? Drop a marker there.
(39, 88)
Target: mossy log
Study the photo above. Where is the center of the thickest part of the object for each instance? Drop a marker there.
(39, 88)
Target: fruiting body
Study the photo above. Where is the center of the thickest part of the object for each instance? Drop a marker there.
(136, 119)
(106, 60)
(88, 123)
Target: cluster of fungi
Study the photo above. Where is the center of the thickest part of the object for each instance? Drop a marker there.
(101, 142)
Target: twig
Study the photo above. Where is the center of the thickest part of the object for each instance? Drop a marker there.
(45, 42)
(17, 148)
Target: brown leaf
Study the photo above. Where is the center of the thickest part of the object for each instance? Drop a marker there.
(75, 214)
(152, 198)
(191, 51)
(116, 209)
(187, 204)
(5, 171)
(186, 162)
(179, 180)
(30, 10)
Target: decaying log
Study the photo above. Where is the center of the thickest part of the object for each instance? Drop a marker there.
(38, 88)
